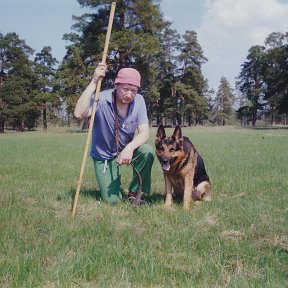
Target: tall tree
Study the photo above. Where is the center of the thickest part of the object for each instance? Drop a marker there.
(134, 40)
(45, 70)
(276, 75)
(251, 80)
(17, 95)
(192, 83)
(223, 108)
(168, 106)
(73, 76)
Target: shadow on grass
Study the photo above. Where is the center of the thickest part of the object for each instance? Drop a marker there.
(152, 199)
(89, 193)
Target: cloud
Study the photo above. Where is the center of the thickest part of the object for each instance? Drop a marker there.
(230, 28)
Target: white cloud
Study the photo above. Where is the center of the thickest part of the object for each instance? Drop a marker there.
(230, 28)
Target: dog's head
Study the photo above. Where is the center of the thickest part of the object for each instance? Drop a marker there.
(169, 150)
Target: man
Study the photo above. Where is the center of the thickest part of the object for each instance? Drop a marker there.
(120, 113)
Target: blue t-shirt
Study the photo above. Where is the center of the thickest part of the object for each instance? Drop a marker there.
(103, 145)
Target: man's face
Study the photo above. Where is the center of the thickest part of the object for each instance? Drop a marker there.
(126, 93)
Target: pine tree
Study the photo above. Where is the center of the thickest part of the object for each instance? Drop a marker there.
(134, 43)
(223, 108)
(168, 106)
(276, 75)
(17, 95)
(73, 77)
(192, 85)
(45, 70)
(251, 80)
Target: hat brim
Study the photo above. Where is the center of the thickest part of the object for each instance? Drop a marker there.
(127, 80)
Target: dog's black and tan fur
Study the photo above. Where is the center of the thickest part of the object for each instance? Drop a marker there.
(183, 167)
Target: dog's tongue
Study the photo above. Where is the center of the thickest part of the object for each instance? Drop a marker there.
(166, 166)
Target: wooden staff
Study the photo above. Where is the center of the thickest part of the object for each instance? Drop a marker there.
(108, 34)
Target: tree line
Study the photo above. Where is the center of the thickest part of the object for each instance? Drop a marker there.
(175, 90)
(263, 83)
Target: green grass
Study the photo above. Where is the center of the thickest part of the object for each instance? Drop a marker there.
(240, 239)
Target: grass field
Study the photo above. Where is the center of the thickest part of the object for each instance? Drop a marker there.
(240, 239)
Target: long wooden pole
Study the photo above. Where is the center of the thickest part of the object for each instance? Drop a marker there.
(107, 40)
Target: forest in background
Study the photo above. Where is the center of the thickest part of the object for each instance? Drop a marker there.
(39, 90)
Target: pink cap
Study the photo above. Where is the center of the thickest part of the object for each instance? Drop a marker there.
(128, 76)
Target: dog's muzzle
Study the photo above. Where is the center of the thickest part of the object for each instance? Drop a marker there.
(165, 164)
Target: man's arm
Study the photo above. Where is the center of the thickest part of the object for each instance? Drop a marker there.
(82, 108)
(142, 137)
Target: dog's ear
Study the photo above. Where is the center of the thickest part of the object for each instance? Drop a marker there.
(160, 135)
(177, 135)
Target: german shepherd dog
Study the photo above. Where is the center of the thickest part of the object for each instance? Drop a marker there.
(184, 171)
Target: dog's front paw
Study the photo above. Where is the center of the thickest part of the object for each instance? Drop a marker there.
(168, 200)
(197, 202)
(206, 198)
(186, 206)
(169, 207)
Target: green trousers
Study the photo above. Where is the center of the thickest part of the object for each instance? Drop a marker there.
(108, 174)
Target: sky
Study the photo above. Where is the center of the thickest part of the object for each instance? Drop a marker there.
(226, 29)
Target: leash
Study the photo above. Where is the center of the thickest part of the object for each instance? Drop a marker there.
(136, 202)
